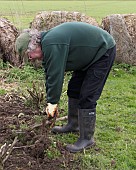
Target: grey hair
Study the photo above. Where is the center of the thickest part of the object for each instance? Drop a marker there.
(35, 38)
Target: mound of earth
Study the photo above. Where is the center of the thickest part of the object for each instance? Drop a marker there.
(31, 149)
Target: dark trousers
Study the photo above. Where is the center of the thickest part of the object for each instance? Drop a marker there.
(87, 85)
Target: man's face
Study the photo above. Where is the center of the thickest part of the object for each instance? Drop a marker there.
(35, 54)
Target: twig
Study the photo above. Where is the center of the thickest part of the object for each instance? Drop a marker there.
(32, 94)
(44, 123)
(35, 90)
(61, 118)
(11, 66)
(26, 146)
(10, 150)
(47, 122)
(3, 150)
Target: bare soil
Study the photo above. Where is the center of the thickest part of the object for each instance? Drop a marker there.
(29, 153)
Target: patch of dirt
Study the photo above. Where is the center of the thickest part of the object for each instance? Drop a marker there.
(31, 150)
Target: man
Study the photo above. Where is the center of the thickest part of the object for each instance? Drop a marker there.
(86, 50)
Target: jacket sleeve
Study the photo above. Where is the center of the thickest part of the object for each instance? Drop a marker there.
(55, 58)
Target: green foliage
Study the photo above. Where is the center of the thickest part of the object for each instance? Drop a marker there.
(119, 69)
(23, 126)
(22, 75)
(2, 65)
(37, 118)
(52, 152)
(2, 91)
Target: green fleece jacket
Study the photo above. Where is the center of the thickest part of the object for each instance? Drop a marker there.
(69, 47)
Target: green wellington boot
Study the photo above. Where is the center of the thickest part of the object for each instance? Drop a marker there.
(87, 118)
(72, 125)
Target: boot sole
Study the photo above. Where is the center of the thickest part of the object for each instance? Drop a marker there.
(81, 150)
(65, 132)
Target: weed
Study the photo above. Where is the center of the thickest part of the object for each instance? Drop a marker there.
(2, 91)
(52, 152)
(38, 118)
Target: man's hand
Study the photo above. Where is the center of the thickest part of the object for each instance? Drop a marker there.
(52, 110)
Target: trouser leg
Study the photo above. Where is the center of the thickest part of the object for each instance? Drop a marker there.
(95, 79)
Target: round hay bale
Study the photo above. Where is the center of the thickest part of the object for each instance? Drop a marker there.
(46, 20)
(8, 34)
(123, 29)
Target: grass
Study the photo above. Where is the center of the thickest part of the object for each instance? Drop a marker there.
(116, 110)
(115, 127)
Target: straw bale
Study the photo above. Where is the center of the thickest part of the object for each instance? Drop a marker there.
(8, 34)
(46, 20)
(123, 29)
